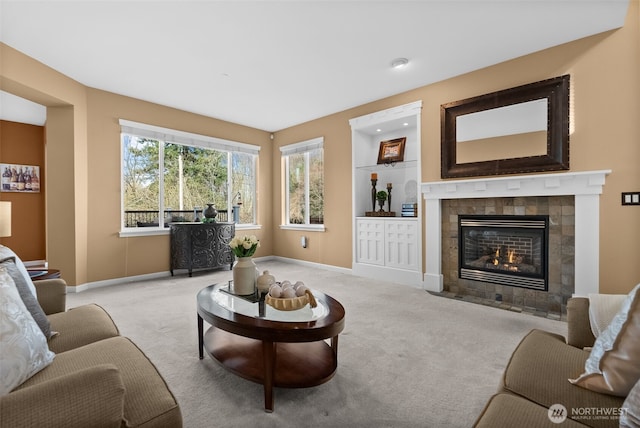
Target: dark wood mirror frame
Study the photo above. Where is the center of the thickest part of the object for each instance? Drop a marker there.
(555, 90)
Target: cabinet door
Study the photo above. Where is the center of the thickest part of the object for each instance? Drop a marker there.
(203, 239)
(401, 244)
(180, 247)
(224, 234)
(370, 246)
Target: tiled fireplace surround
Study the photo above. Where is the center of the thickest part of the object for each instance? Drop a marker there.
(570, 199)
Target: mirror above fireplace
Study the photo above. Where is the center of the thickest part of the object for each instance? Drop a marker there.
(517, 130)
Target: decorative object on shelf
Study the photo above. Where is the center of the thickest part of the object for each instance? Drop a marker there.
(381, 196)
(411, 191)
(196, 210)
(374, 181)
(391, 151)
(245, 272)
(210, 211)
(20, 178)
(410, 210)
(389, 187)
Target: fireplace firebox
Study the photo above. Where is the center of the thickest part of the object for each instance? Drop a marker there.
(504, 249)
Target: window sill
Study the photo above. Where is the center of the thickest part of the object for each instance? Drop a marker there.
(143, 231)
(247, 226)
(307, 227)
(155, 231)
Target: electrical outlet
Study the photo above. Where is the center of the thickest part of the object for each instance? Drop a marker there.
(630, 198)
(303, 242)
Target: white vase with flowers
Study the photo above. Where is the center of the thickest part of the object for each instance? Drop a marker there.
(245, 272)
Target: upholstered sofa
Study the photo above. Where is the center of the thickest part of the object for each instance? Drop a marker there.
(93, 377)
(535, 390)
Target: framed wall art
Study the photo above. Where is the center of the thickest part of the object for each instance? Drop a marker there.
(391, 151)
(20, 178)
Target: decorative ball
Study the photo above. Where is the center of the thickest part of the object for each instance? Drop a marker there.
(275, 291)
(289, 293)
(301, 290)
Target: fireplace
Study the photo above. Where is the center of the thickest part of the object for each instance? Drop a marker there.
(584, 187)
(509, 250)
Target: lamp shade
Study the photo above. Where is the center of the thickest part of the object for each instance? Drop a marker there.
(5, 219)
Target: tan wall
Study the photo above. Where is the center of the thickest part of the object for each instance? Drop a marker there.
(83, 171)
(23, 144)
(604, 73)
(65, 136)
(110, 256)
(606, 102)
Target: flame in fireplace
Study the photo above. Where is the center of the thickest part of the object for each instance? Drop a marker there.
(511, 261)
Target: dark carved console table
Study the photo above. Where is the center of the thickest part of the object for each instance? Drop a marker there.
(199, 245)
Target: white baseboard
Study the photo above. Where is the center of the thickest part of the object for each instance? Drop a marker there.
(124, 280)
(306, 263)
(116, 281)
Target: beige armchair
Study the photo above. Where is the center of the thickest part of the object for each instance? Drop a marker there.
(97, 378)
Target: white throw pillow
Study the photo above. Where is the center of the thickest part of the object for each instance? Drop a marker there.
(5, 253)
(23, 347)
(613, 366)
(602, 309)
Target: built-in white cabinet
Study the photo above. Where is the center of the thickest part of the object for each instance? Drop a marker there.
(388, 242)
(370, 236)
(387, 247)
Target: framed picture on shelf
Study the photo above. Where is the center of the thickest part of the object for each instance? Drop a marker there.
(391, 150)
(20, 178)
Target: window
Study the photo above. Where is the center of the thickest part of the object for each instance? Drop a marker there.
(170, 175)
(304, 183)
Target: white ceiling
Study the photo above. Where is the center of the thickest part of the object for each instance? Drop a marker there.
(274, 64)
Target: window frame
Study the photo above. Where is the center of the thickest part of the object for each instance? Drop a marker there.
(304, 147)
(166, 135)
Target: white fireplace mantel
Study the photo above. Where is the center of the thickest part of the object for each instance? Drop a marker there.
(585, 186)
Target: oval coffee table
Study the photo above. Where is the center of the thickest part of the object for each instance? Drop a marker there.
(274, 348)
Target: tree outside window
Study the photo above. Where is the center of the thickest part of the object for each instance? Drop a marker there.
(184, 178)
(305, 186)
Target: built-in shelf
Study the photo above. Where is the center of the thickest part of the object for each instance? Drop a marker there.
(395, 165)
(387, 248)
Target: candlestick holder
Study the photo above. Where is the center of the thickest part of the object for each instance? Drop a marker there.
(389, 186)
(374, 181)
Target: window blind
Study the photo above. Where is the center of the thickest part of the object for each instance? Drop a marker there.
(302, 147)
(186, 138)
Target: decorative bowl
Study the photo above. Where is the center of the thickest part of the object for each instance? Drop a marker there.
(292, 303)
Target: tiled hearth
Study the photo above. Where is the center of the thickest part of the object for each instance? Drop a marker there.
(572, 200)
(560, 210)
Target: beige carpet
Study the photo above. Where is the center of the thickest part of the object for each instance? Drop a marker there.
(406, 358)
